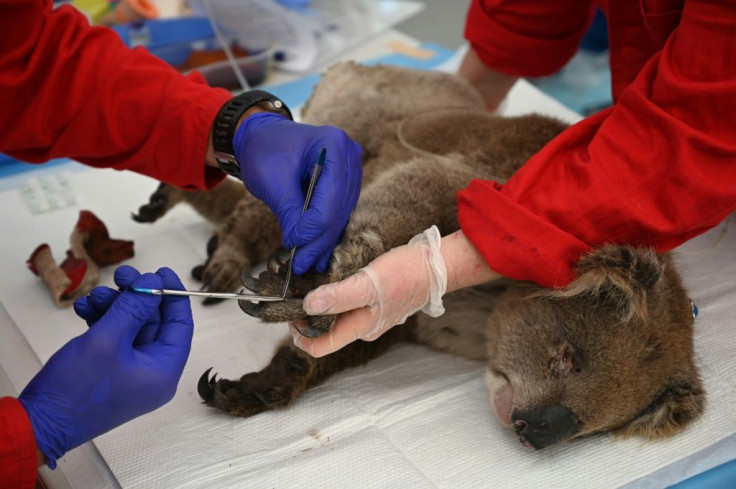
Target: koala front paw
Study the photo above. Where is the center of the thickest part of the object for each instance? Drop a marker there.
(271, 282)
(221, 271)
(159, 203)
(221, 275)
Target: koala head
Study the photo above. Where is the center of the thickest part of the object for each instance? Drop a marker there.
(612, 352)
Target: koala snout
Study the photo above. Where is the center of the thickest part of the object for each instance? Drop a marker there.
(541, 428)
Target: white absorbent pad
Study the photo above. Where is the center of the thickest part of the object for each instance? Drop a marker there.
(412, 418)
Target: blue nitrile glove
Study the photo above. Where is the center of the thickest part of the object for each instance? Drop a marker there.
(127, 364)
(277, 157)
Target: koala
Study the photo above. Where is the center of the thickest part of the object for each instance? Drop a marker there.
(611, 352)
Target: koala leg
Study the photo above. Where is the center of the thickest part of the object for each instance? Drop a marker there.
(247, 232)
(392, 209)
(163, 199)
(248, 236)
(214, 205)
(290, 373)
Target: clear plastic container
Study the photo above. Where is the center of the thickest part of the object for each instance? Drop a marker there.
(176, 40)
(254, 68)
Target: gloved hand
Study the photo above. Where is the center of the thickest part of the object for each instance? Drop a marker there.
(385, 293)
(277, 157)
(128, 363)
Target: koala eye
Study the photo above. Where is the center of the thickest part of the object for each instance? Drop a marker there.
(499, 373)
(561, 363)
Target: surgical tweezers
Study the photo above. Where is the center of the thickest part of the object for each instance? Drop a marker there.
(214, 295)
(310, 190)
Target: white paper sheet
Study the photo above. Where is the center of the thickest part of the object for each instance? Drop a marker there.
(412, 418)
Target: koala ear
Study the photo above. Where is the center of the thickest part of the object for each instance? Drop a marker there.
(621, 274)
(673, 409)
(623, 265)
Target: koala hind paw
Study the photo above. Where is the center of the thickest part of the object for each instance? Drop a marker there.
(271, 388)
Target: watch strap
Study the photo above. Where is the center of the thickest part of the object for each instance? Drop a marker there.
(227, 121)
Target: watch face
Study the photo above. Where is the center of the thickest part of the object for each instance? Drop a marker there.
(225, 158)
(226, 122)
(232, 169)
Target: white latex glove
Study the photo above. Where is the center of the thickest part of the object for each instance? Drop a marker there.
(385, 293)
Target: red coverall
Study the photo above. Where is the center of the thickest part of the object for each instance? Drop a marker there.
(656, 169)
(67, 89)
(17, 446)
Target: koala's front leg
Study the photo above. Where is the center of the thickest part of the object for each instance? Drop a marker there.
(214, 205)
(161, 201)
(394, 208)
(249, 235)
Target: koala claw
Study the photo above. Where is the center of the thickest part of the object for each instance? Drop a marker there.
(279, 259)
(211, 301)
(306, 329)
(197, 273)
(252, 309)
(205, 386)
(248, 280)
(151, 212)
(213, 391)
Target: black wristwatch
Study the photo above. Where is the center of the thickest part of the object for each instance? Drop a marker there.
(227, 120)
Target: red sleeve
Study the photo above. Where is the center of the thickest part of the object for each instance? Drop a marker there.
(71, 90)
(17, 446)
(527, 37)
(656, 170)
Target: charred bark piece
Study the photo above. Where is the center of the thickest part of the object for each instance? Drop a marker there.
(90, 248)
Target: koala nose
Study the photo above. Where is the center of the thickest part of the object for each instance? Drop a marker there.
(540, 428)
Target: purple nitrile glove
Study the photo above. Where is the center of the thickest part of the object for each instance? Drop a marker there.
(127, 364)
(277, 157)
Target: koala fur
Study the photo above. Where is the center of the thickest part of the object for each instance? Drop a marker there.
(612, 352)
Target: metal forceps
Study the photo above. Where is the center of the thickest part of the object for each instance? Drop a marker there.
(214, 295)
(310, 190)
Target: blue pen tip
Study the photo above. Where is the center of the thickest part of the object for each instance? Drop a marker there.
(140, 289)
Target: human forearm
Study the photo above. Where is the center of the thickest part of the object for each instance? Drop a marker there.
(392, 287)
(492, 85)
(464, 264)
